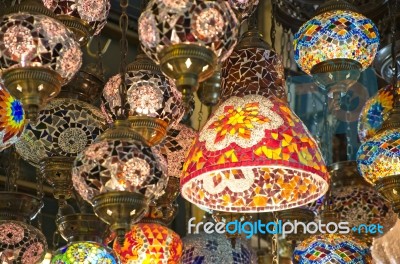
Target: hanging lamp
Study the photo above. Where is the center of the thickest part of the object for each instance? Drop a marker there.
(244, 8)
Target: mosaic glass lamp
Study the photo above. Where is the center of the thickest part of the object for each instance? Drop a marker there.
(12, 119)
(386, 249)
(243, 8)
(188, 38)
(214, 248)
(150, 243)
(37, 55)
(154, 102)
(85, 245)
(336, 45)
(84, 18)
(253, 154)
(332, 248)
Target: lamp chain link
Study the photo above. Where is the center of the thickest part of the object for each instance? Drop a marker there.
(40, 195)
(349, 147)
(200, 116)
(273, 24)
(275, 241)
(315, 118)
(123, 24)
(395, 68)
(13, 170)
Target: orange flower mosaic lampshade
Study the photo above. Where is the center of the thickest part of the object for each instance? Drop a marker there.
(253, 154)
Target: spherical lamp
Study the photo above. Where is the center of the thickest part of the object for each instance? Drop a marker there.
(244, 8)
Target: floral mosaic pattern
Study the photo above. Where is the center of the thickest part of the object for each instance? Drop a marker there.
(336, 34)
(21, 243)
(65, 127)
(375, 112)
(253, 71)
(211, 24)
(119, 165)
(205, 248)
(277, 166)
(379, 156)
(94, 12)
(38, 41)
(150, 243)
(12, 119)
(244, 8)
(175, 146)
(332, 249)
(84, 252)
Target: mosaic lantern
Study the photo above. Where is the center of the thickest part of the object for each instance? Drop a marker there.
(150, 243)
(386, 248)
(12, 119)
(214, 248)
(84, 252)
(154, 103)
(188, 39)
(37, 56)
(84, 18)
(244, 8)
(375, 112)
(336, 45)
(332, 248)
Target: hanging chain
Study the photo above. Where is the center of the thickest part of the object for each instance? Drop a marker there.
(275, 240)
(349, 147)
(40, 195)
(100, 64)
(200, 116)
(13, 171)
(273, 26)
(315, 118)
(392, 12)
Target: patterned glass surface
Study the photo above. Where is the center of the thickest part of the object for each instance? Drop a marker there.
(93, 12)
(28, 40)
(86, 253)
(244, 8)
(253, 154)
(149, 94)
(205, 248)
(386, 249)
(150, 243)
(375, 112)
(177, 143)
(119, 165)
(332, 249)
(211, 24)
(379, 157)
(12, 119)
(65, 127)
(333, 35)
(21, 243)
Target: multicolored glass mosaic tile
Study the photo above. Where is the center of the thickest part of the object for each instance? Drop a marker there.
(84, 252)
(375, 112)
(253, 154)
(211, 24)
(205, 248)
(336, 34)
(379, 156)
(244, 8)
(12, 119)
(28, 40)
(119, 165)
(21, 243)
(93, 12)
(332, 249)
(65, 127)
(150, 243)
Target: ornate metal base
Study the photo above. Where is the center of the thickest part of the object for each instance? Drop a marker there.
(188, 64)
(33, 86)
(57, 172)
(336, 75)
(79, 27)
(389, 188)
(153, 130)
(303, 215)
(120, 210)
(81, 227)
(19, 206)
(210, 90)
(122, 129)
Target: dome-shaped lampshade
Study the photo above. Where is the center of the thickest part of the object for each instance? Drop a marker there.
(21, 243)
(203, 33)
(150, 243)
(244, 8)
(214, 248)
(254, 154)
(12, 119)
(84, 18)
(84, 252)
(332, 248)
(375, 112)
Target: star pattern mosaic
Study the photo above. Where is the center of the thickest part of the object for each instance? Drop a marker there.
(85, 253)
(65, 127)
(336, 34)
(238, 163)
(332, 249)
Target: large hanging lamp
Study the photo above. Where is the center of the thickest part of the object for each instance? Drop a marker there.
(253, 154)
(37, 56)
(188, 38)
(336, 45)
(84, 18)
